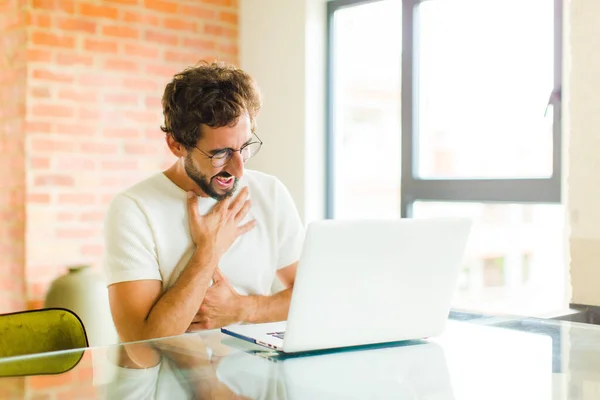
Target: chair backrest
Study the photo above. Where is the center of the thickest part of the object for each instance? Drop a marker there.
(40, 331)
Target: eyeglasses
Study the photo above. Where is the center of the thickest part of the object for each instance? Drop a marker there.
(247, 151)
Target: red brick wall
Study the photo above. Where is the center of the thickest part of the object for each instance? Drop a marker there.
(12, 149)
(12, 168)
(96, 71)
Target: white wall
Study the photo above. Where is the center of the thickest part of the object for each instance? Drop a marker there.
(582, 131)
(282, 45)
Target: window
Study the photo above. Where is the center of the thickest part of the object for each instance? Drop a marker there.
(365, 149)
(452, 107)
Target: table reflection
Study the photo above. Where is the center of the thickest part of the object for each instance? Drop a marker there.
(188, 367)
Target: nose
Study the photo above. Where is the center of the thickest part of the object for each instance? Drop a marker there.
(235, 166)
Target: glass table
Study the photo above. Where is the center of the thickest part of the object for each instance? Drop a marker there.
(477, 357)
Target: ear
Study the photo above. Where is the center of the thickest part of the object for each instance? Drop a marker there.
(176, 148)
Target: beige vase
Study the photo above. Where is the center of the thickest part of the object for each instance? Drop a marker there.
(85, 293)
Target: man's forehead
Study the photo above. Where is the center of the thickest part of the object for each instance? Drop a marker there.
(223, 137)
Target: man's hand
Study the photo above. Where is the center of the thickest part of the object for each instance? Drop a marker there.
(222, 305)
(219, 228)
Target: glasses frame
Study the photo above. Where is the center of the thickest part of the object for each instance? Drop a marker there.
(231, 151)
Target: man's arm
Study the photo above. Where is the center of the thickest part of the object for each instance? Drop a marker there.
(223, 306)
(140, 312)
(272, 308)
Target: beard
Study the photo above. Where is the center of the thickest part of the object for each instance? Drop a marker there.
(206, 184)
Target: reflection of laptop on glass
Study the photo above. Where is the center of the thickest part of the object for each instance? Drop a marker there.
(407, 371)
(367, 282)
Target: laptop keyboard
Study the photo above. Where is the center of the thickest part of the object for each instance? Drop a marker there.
(278, 335)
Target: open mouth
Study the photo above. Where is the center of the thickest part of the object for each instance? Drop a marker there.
(224, 182)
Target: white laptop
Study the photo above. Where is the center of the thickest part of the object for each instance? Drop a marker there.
(365, 282)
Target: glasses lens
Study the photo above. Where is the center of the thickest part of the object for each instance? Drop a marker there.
(250, 150)
(221, 158)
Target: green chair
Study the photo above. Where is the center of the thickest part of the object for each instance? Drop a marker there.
(40, 331)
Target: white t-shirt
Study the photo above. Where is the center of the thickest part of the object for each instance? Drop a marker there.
(147, 234)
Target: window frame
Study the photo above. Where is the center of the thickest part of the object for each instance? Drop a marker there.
(413, 188)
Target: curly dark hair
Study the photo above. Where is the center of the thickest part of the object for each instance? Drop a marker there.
(214, 94)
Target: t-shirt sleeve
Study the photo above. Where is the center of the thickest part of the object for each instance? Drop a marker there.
(130, 250)
(290, 231)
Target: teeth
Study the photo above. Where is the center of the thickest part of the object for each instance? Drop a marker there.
(225, 180)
